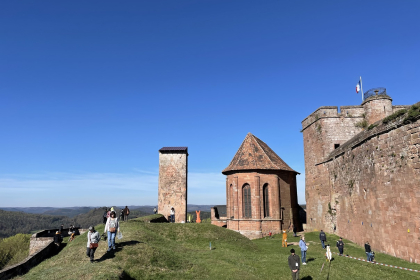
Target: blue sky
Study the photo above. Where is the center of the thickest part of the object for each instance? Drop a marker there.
(91, 90)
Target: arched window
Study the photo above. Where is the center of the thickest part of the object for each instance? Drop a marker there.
(246, 201)
(266, 201)
(232, 202)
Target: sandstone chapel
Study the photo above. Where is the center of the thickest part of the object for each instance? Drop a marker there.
(261, 194)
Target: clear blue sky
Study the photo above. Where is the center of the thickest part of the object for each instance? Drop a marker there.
(91, 90)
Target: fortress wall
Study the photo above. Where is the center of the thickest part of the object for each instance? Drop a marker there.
(373, 187)
(320, 139)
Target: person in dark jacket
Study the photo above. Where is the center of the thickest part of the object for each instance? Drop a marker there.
(368, 251)
(340, 246)
(294, 230)
(105, 216)
(57, 238)
(323, 238)
(126, 213)
(294, 264)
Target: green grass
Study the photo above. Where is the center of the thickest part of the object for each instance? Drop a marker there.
(182, 251)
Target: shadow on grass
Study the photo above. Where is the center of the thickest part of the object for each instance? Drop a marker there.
(128, 243)
(307, 278)
(118, 247)
(311, 259)
(125, 276)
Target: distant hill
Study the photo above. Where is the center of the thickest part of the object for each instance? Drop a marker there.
(74, 211)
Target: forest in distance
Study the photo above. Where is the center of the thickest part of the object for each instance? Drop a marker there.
(32, 219)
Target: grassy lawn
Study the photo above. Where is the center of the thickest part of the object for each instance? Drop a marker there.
(182, 251)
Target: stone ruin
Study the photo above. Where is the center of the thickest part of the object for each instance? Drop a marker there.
(173, 178)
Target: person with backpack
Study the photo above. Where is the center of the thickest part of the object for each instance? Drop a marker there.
(112, 227)
(323, 238)
(126, 213)
(92, 243)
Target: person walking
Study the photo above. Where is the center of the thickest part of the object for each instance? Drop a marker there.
(368, 251)
(303, 249)
(122, 215)
(126, 213)
(340, 246)
(92, 243)
(294, 264)
(105, 216)
(112, 227)
(323, 238)
(172, 215)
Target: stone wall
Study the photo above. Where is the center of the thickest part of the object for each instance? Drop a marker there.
(368, 188)
(173, 171)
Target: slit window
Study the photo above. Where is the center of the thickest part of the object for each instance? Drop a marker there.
(336, 146)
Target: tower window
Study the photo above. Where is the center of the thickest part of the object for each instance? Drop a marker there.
(336, 146)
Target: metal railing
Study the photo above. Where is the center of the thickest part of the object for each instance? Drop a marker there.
(374, 91)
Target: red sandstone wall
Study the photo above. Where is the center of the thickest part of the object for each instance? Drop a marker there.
(321, 130)
(374, 191)
(282, 201)
(377, 190)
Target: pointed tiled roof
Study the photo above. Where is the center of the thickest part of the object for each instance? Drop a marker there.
(255, 154)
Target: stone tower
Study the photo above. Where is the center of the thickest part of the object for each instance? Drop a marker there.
(173, 178)
(261, 191)
(377, 107)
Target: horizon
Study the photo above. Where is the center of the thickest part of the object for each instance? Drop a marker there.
(90, 93)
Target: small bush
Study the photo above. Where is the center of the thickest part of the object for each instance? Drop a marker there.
(413, 114)
(372, 126)
(362, 124)
(394, 116)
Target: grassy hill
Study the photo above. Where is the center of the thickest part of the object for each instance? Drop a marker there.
(14, 249)
(182, 251)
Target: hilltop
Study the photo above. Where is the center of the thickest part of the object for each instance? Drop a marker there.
(182, 251)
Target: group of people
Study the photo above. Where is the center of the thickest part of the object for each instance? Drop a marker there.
(123, 214)
(294, 260)
(112, 227)
(58, 237)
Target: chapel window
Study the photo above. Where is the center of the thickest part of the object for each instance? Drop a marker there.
(266, 201)
(246, 200)
(232, 202)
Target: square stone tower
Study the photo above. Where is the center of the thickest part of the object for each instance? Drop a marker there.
(173, 178)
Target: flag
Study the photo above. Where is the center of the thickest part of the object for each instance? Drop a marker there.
(359, 85)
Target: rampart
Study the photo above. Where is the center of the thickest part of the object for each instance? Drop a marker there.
(366, 188)
(41, 246)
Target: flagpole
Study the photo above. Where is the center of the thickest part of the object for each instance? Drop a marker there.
(361, 88)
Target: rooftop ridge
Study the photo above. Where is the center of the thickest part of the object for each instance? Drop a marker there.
(260, 157)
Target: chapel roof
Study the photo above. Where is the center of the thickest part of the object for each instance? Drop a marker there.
(254, 154)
